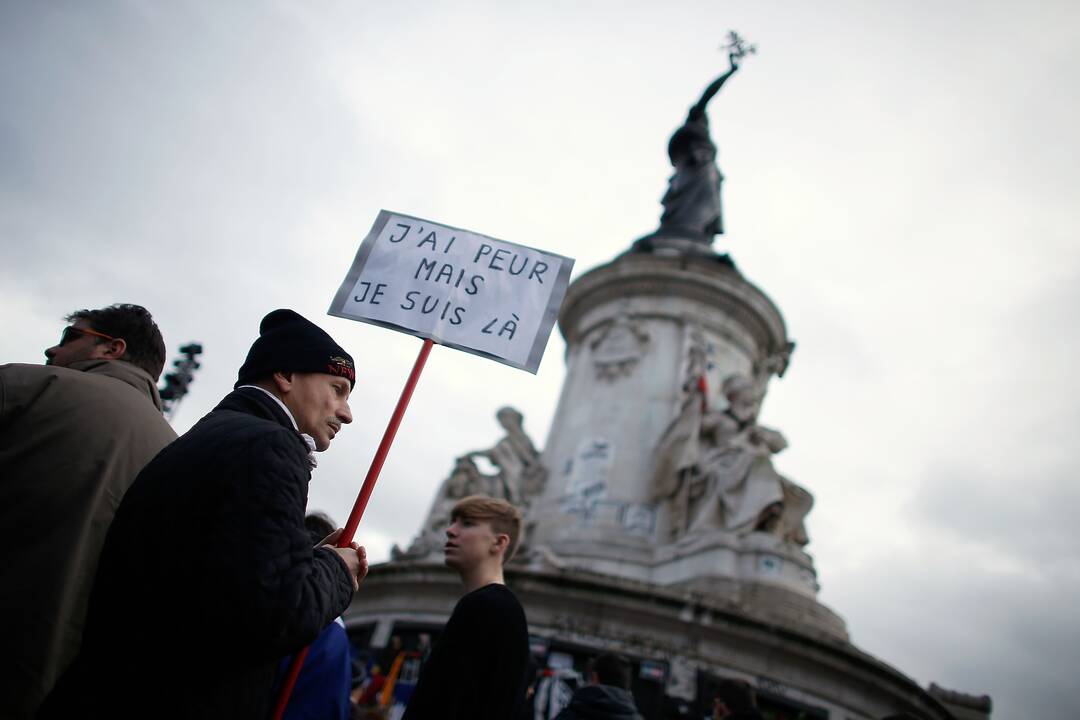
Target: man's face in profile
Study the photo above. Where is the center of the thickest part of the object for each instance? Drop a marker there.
(78, 342)
(469, 541)
(319, 403)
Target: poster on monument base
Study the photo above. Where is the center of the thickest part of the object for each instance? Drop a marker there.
(458, 288)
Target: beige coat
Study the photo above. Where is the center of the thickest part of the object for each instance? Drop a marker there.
(72, 441)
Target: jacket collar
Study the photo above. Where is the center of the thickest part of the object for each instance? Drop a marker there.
(253, 401)
(277, 401)
(125, 372)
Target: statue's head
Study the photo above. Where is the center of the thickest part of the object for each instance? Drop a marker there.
(691, 143)
(509, 418)
(458, 482)
(742, 396)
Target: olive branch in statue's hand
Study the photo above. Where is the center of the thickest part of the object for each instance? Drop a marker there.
(737, 48)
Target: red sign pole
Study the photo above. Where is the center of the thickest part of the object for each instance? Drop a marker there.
(358, 508)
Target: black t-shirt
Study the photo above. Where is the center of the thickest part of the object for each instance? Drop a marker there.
(477, 668)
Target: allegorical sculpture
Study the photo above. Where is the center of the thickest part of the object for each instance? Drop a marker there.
(715, 471)
(464, 480)
(692, 209)
(519, 477)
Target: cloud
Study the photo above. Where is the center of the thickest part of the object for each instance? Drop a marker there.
(974, 573)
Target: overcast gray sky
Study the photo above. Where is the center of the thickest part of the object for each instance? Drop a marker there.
(902, 178)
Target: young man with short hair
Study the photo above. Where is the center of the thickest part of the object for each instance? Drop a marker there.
(208, 576)
(607, 694)
(477, 669)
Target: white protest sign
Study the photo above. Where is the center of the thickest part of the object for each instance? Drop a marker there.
(459, 288)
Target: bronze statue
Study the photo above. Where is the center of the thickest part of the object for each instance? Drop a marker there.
(692, 208)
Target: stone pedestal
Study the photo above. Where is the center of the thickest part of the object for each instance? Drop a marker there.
(638, 331)
(686, 636)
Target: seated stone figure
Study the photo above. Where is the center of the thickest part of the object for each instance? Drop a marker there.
(722, 476)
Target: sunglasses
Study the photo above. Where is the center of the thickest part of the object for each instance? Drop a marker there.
(71, 333)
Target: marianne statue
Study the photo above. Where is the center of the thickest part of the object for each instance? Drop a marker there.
(692, 202)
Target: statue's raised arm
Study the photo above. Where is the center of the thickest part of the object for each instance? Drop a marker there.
(737, 49)
(714, 87)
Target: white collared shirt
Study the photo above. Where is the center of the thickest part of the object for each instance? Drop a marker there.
(310, 441)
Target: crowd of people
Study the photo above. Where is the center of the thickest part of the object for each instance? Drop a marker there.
(148, 575)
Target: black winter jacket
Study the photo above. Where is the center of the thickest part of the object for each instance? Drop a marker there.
(207, 578)
(600, 702)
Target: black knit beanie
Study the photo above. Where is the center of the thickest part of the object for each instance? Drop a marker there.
(288, 342)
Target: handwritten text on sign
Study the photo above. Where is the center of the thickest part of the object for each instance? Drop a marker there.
(459, 288)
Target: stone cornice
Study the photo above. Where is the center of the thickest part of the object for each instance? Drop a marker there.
(701, 280)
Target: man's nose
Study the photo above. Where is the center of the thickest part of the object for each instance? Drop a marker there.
(345, 414)
(51, 351)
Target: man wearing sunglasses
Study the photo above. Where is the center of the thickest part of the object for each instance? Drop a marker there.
(81, 342)
(73, 435)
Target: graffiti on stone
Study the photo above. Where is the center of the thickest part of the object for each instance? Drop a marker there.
(588, 481)
(639, 519)
(770, 565)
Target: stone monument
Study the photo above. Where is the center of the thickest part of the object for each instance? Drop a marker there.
(659, 521)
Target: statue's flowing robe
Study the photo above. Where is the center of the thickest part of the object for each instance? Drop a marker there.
(678, 448)
(692, 201)
(741, 483)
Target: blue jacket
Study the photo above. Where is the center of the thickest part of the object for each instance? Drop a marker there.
(322, 689)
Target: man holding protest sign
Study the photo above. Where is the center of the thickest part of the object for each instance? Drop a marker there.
(209, 545)
(477, 669)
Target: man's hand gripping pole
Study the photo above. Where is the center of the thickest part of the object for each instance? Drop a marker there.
(358, 508)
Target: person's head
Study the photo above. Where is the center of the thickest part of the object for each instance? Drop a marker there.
(318, 525)
(303, 366)
(118, 332)
(734, 696)
(482, 530)
(610, 669)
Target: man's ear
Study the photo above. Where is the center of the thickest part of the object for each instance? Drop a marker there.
(115, 349)
(502, 542)
(283, 381)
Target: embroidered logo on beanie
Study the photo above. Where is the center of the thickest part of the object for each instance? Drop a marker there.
(342, 367)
